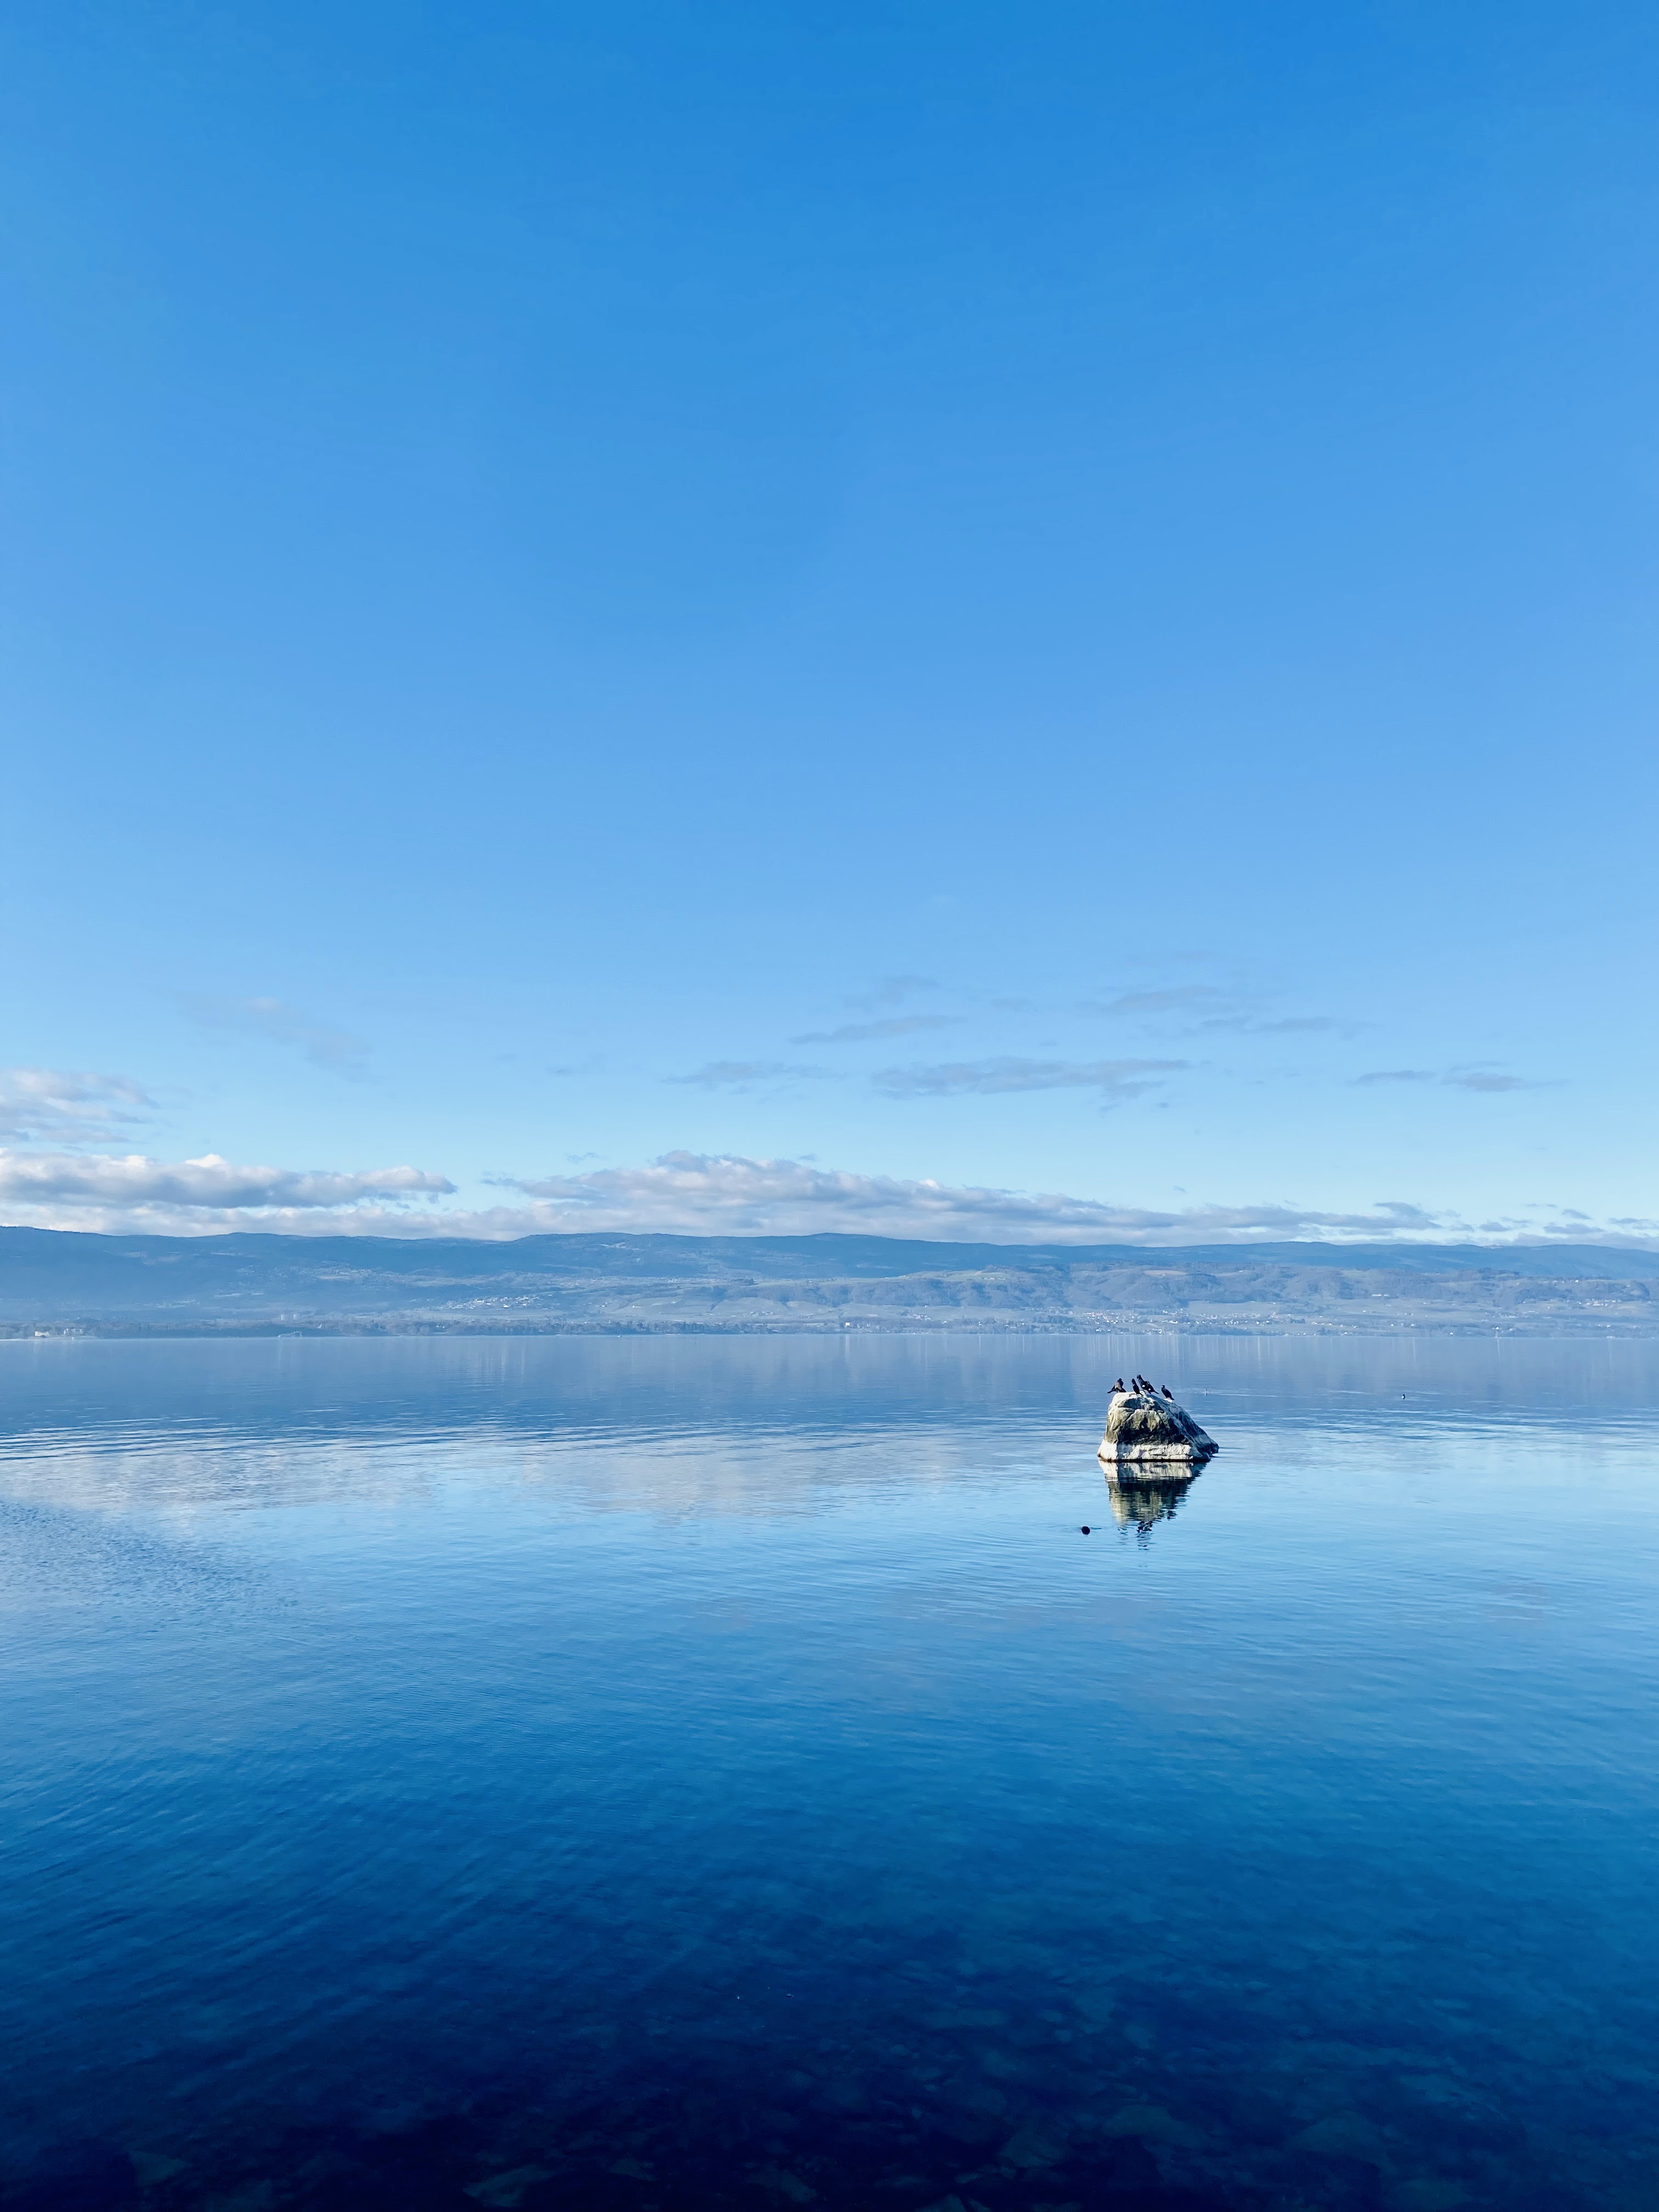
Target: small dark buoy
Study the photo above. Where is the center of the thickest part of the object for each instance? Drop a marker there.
(1087, 1531)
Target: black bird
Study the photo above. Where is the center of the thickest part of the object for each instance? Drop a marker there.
(1118, 1385)
(1168, 1394)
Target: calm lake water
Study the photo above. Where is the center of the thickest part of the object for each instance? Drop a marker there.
(654, 1774)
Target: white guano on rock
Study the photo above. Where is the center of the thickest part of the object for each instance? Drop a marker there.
(1147, 1431)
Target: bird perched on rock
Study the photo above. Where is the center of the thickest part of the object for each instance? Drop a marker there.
(1168, 1394)
(1118, 1385)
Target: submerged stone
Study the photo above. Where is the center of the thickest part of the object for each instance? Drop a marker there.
(504, 2192)
(85, 2176)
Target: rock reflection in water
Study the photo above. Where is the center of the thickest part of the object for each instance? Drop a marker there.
(1141, 1504)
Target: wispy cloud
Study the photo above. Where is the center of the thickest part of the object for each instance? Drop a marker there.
(1285, 1025)
(746, 1074)
(1113, 1079)
(63, 1190)
(1459, 1079)
(892, 991)
(61, 1107)
(321, 1043)
(1481, 1079)
(1215, 1006)
(896, 1025)
(1567, 1225)
(1179, 999)
(701, 1194)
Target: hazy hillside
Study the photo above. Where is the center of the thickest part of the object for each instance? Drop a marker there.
(60, 1281)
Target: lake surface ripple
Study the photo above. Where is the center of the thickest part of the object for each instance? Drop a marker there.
(664, 1774)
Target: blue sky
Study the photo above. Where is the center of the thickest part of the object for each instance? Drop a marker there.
(959, 620)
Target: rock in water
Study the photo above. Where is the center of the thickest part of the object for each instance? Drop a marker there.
(1143, 1432)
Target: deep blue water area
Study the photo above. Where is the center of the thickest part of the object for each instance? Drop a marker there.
(660, 1773)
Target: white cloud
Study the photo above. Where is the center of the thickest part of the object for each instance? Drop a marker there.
(703, 1194)
(1115, 1078)
(56, 1105)
(64, 1190)
(692, 1194)
(323, 1044)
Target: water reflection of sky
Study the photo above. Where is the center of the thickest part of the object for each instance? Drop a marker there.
(499, 1735)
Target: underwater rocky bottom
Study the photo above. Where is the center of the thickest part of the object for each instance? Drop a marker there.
(654, 2145)
(972, 2098)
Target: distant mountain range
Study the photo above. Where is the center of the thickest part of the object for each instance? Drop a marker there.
(63, 1281)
